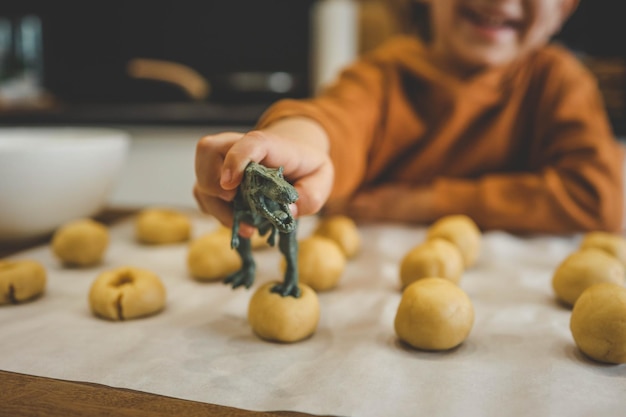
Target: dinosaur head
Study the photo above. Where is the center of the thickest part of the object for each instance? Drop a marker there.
(269, 194)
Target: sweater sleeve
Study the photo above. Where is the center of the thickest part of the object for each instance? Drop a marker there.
(349, 111)
(575, 180)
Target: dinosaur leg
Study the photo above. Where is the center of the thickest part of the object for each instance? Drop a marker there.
(245, 276)
(288, 246)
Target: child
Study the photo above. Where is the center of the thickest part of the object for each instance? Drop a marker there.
(486, 119)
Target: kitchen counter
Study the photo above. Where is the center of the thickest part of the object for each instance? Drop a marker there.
(160, 166)
(174, 113)
(158, 171)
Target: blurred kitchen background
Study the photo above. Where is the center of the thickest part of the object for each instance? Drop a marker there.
(167, 72)
(218, 61)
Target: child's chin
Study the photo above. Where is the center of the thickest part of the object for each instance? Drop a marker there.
(485, 58)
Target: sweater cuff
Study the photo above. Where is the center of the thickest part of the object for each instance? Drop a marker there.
(346, 175)
(455, 196)
(289, 108)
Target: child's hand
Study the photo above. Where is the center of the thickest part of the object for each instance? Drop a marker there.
(388, 202)
(211, 197)
(300, 146)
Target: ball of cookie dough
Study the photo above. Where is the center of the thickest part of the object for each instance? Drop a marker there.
(434, 314)
(126, 293)
(460, 230)
(582, 269)
(21, 280)
(435, 257)
(257, 241)
(611, 243)
(210, 257)
(320, 262)
(159, 226)
(598, 323)
(343, 231)
(81, 242)
(283, 319)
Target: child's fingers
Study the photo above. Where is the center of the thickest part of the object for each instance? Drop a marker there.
(215, 206)
(253, 146)
(310, 170)
(314, 189)
(221, 210)
(271, 150)
(210, 151)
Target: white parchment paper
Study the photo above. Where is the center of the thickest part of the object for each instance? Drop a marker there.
(519, 359)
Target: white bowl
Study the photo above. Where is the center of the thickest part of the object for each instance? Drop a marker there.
(49, 176)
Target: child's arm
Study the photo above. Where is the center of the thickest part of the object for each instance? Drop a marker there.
(574, 179)
(297, 144)
(395, 202)
(350, 112)
(568, 176)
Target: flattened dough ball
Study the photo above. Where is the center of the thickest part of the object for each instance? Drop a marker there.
(126, 293)
(160, 226)
(460, 230)
(598, 323)
(582, 269)
(434, 314)
(320, 263)
(21, 280)
(81, 242)
(343, 231)
(210, 257)
(435, 257)
(283, 319)
(611, 243)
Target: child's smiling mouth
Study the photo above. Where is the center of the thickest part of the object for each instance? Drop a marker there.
(490, 24)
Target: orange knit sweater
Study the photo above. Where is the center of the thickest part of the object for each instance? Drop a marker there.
(527, 148)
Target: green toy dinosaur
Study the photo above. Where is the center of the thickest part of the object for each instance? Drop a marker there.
(262, 201)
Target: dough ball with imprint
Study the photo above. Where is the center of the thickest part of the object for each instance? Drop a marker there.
(321, 263)
(435, 257)
(582, 269)
(343, 231)
(210, 257)
(612, 244)
(283, 319)
(126, 293)
(21, 280)
(161, 226)
(81, 242)
(598, 323)
(434, 314)
(460, 230)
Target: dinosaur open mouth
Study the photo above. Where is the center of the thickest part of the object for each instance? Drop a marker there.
(281, 217)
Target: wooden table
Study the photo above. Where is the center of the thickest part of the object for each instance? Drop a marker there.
(30, 396)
